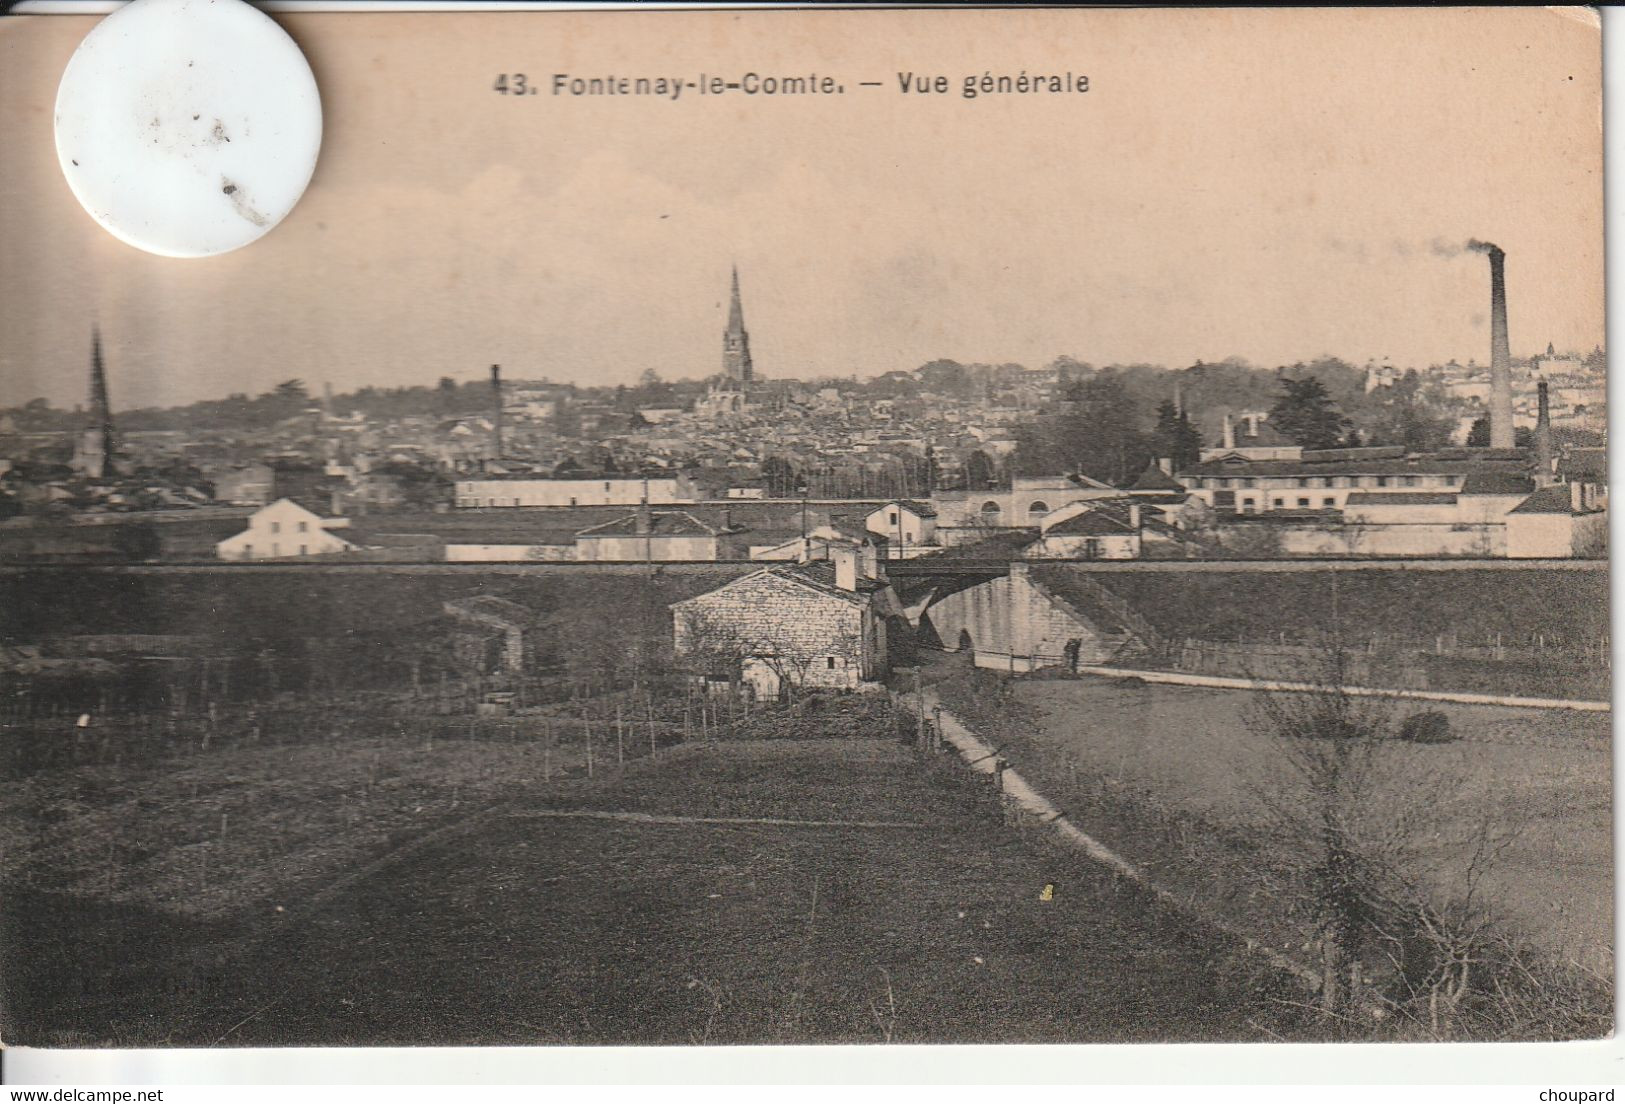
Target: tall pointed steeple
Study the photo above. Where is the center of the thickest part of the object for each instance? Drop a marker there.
(736, 340)
(93, 453)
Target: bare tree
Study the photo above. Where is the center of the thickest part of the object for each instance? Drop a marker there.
(1360, 818)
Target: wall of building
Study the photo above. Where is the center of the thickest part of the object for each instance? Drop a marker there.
(765, 613)
(1114, 546)
(646, 548)
(568, 492)
(508, 553)
(281, 530)
(1393, 539)
(906, 530)
(1532, 536)
(961, 509)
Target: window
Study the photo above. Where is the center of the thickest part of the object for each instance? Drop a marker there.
(1331, 503)
(1248, 482)
(1038, 509)
(302, 550)
(1382, 481)
(990, 512)
(829, 662)
(1279, 503)
(304, 527)
(572, 500)
(276, 527)
(276, 549)
(1248, 506)
(1091, 548)
(1303, 503)
(1409, 480)
(606, 484)
(1303, 481)
(248, 551)
(891, 518)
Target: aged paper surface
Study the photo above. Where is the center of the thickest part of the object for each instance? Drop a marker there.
(814, 527)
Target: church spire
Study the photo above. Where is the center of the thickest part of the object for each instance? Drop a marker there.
(94, 453)
(736, 340)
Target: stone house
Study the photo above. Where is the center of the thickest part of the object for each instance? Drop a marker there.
(792, 626)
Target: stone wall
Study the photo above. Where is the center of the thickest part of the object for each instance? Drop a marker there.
(1016, 625)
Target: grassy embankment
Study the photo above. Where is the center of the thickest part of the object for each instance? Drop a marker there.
(1176, 780)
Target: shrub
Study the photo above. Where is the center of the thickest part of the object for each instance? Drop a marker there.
(1427, 727)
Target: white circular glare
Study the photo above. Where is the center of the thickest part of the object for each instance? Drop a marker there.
(188, 127)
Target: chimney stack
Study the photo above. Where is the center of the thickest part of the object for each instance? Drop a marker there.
(1134, 516)
(496, 403)
(1165, 464)
(1543, 439)
(1576, 497)
(1229, 431)
(845, 557)
(1501, 435)
(871, 565)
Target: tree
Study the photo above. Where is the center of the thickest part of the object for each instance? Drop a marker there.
(1307, 414)
(780, 476)
(1478, 436)
(1407, 419)
(981, 473)
(1098, 434)
(1357, 824)
(1175, 437)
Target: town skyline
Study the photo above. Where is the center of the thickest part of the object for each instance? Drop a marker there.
(1147, 222)
(64, 397)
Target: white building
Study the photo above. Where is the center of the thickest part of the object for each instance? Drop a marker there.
(1085, 532)
(910, 527)
(650, 535)
(603, 491)
(285, 530)
(1563, 520)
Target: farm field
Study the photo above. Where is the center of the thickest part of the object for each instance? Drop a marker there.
(1195, 766)
(371, 894)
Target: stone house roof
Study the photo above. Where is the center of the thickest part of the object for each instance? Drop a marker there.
(662, 523)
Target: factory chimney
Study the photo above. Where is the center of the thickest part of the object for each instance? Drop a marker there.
(1501, 435)
(1543, 440)
(496, 411)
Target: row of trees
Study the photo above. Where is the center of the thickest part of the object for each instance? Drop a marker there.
(1101, 428)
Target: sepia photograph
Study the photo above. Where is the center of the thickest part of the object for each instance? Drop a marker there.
(797, 527)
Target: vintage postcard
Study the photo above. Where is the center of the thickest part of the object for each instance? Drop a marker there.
(747, 527)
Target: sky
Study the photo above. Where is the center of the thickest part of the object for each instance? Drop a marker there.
(1270, 185)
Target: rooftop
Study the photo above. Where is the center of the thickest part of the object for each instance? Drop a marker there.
(662, 523)
(1400, 498)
